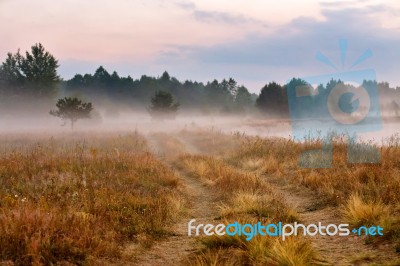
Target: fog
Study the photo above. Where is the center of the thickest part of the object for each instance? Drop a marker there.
(252, 125)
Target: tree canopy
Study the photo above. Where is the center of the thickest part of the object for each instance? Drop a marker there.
(163, 105)
(32, 73)
(273, 100)
(72, 109)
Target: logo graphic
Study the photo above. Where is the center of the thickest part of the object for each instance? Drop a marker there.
(249, 231)
(343, 103)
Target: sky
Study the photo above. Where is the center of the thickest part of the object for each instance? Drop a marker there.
(253, 41)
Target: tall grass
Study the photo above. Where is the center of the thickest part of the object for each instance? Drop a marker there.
(212, 141)
(245, 198)
(365, 191)
(77, 200)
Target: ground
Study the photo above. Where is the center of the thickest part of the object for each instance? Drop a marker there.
(141, 190)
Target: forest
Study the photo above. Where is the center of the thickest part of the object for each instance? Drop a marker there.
(34, 74)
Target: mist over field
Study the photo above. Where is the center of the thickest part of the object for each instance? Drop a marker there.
(199, 133)
(25, 122)
(34, 122)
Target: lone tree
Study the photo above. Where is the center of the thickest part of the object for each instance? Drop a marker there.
(163, 105)
(72, 109)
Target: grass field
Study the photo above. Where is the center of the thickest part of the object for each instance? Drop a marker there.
(126, 198)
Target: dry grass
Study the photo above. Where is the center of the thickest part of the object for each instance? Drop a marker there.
(259, 204)
(367, 192)
(68, 199)
(357, 212)
(212, 141)
(261, 250)
(293, 251)
(216, 257)
(81, 197)
(280, 157)
(246, 198)
(168, 146)
(221, 177)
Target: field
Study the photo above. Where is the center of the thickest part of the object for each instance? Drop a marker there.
(126, 197)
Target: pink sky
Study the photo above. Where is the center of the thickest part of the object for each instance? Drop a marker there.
(146, 37)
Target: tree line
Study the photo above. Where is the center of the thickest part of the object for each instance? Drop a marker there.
(225, 96)
(34, 73)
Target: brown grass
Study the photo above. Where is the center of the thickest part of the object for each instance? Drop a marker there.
(81, 197)
(357, 212)
(212, 141)
(73, 200)
(246, 198)
(367, 192)
(261, 250)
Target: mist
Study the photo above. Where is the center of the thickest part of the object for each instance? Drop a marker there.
(37, 123)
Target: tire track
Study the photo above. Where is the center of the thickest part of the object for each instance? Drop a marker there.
(175, 249)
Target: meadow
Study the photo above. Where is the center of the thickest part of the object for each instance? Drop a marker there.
(125, 198)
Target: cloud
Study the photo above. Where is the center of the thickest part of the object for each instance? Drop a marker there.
(216, 16)
(294, 43)
(342, 4)
(186, 5)
(383, 9)
(291, 49)
(213, 16)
